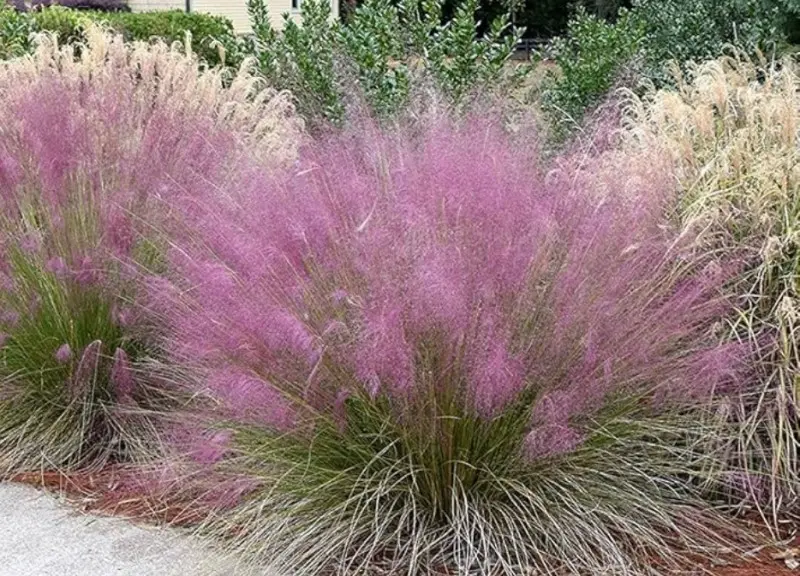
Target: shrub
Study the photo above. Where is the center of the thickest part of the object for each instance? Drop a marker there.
(589, 58)
(594, 52)
(301, 59)
(213, 39)
(65, 23)
(460, 60)
(700, 29)
(731, 133)
(100, 5)
(75, 201)
(376, 48)
(788, 13)
(371, 39)
(436, 358)
(15, 33)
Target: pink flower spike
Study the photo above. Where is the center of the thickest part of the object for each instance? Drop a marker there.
(554, 440)
(63, 354)
(122, 316)
(122, 381)
(87, 272)
(57, 266)
(6, 282)
(10, 317)
(210, 450)
(30, 243)
(82, 380)
(339, 296)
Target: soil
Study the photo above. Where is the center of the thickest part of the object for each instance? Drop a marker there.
(763, 565)
(107, 491)
(101, 492)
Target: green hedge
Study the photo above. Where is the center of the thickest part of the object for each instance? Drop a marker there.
(64, 22)
(208, 32)
(589, 57)
(15, 31)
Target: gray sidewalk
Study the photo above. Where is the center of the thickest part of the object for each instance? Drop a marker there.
(39, 536)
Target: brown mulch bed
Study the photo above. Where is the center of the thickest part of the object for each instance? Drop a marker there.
(108, 491)
(764, 564)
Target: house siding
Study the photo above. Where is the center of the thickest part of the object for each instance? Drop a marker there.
(147, 5)
(235, 10)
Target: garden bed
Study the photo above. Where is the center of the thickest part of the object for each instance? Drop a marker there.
(98, 492)
(337, 346)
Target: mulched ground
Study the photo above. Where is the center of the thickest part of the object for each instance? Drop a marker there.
(763, 565)
(108, 491)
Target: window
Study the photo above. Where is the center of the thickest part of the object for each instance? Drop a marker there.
(295, 4)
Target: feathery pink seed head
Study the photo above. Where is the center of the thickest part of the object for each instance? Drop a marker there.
(250, 398)
(123, 382)
(339, 296)
(57, 266)
(63, 354)
(31, 242)
(548, 441)
(9, 318)
(6, 282)
(210, 449)
(84, 374)
(123, 316)
(450, 261)
(88, 271)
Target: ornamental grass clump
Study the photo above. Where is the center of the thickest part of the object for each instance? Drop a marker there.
(730, 134)
(86, 145)
(429, 356)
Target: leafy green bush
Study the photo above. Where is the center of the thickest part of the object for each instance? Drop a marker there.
(212, 36)
(371, 40)
(459, 59)
(589, 59)
(789, 19)
(377, 47)
(698, 30)
(301, 59)
(65, 23)
(15, 32)
(592, 53)
(100, 5)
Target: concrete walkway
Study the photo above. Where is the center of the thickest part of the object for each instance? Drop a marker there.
(39, 536)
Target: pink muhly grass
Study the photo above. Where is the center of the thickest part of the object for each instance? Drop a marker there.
(91, 141)
(453, 247)
(30, 243)
(92, 147)
(10, 318)
(250, 398)
(85, 374)
(122, 315)
(123, 382)
(213, 448)
(63, 354)
(57, 266)
(437, 314)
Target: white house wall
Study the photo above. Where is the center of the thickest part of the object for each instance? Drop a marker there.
(147, 5)
(235, 10)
